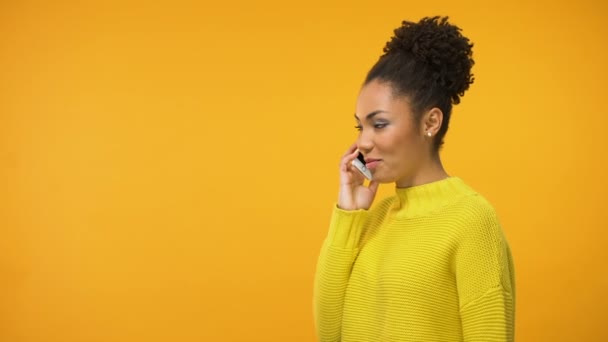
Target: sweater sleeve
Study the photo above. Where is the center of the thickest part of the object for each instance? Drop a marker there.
(334, 266)
(486, 284)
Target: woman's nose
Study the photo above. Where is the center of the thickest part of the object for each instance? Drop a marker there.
(365, 143)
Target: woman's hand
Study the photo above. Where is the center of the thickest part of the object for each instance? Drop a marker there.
(353, 194)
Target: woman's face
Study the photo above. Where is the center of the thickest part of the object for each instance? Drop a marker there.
(393, 144)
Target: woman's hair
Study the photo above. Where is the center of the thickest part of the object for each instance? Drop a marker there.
(430, 63)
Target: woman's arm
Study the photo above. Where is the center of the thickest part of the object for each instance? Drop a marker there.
(341, 247)
(334, 266)
(486, 283)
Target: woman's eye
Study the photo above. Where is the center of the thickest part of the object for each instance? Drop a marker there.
(358, 128)
(380, 125)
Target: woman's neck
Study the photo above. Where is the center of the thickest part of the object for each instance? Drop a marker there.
(431, 171)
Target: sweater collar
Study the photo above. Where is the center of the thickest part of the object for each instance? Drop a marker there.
(425, 198)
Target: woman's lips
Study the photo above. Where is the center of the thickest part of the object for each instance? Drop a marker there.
(372, 163)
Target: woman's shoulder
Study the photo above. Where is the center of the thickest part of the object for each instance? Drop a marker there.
(475, 208)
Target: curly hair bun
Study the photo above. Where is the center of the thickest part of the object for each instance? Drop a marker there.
(441, 47)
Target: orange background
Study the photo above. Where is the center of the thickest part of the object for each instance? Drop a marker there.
(168, 169)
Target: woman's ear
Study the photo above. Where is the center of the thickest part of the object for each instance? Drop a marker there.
(431, 122)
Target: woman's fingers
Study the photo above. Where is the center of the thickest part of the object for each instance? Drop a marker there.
(348, 157)
(353, 193)
(356, 173)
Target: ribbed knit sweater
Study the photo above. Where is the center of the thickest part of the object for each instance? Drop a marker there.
(430, 263)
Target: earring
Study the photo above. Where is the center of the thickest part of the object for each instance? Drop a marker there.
(429, 134)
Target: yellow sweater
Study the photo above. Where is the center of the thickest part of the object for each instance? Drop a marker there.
(428, 264)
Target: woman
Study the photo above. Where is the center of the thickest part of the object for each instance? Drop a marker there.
(430, 263)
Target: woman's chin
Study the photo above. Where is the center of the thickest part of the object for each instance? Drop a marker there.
(382, 179)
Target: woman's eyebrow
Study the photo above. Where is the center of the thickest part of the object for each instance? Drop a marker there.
(371, 115)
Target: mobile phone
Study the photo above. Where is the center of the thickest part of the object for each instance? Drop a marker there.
(359, 163)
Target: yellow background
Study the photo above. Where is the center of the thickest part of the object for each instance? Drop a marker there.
(168, 169)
